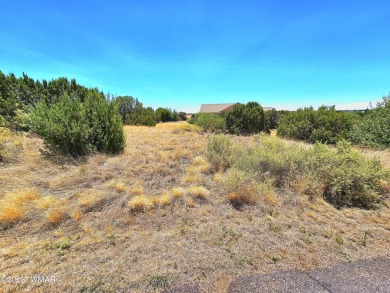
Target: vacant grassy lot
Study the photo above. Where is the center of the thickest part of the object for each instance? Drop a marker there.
(158, 216)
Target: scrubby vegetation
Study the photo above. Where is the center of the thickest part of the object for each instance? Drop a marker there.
(167, 115)
(75, 127)
(368, 128)
(209, 122)
(206, 197)
(243, 119)
(19, 97)
(342, 176)
(10, 145)
(273, 117)
(373, 129)
(72, 119)
(133, 112)
(216, 217)
(325, 125)
(247, 119)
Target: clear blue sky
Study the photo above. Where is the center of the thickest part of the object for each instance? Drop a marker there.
(179, 54)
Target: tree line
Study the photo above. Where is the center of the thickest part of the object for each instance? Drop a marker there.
(19, 96)
(71, 118)
(370, 127)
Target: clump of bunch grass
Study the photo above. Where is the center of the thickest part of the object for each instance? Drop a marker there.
(55, 215)
(219, 152)
(119, 186)
(10, 145)
(178, 192)
(198, 192)
(242, 188)
(343, 176)
(187, 128)
(13, 205)
(140, 203)
(90, 199)
(165, 199)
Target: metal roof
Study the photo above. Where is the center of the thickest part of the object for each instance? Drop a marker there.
(214, 108)
(218, 108)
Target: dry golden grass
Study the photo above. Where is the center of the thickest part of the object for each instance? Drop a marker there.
(10, 145)
(271, 199)
(137, 190)
(55, 216)
(13, 206)
(140, 203)
(24, 195)
(185, 127)
(165, 199)
(88, 198)
(178, 192)
(115, 238)
(119, 186)
(77, 216)
(198, 192)
(11, 212)
(218, 177)
(46, 202)
(385, 185)
(245, 196)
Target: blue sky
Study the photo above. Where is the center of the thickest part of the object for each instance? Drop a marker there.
(179, 54)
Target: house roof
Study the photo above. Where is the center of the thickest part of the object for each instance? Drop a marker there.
(218, 108)
(214, 108)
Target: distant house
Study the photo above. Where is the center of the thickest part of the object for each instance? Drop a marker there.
(216, 108)
(222, 108)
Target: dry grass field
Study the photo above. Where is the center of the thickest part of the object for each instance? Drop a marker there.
(157, 216)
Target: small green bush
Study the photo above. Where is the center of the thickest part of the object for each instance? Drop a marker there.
(247, 119)
(69, 126)
(325, 125)
(133, 112)
(343, 176)
(219, 151)
(374, 129)
(209, 122)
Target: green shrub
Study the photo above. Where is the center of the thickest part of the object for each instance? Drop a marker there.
(69, 126)
(219, 151)
(325, 125)
(209, 122)
(374, 128)
(352, 179)
(247, 119)
(273, 118)
(133, 112)
(343, 176)
(163, 115)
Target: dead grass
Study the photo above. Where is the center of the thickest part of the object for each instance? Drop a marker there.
(245, 196)
(134, 222)
(119, 186)
(14, 205)
(199, 192)
(140, 203)
(178, 192)
(11, 212)
(10, 145)
(55, 216)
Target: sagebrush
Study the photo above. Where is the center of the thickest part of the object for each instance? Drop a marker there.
(342, 176)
